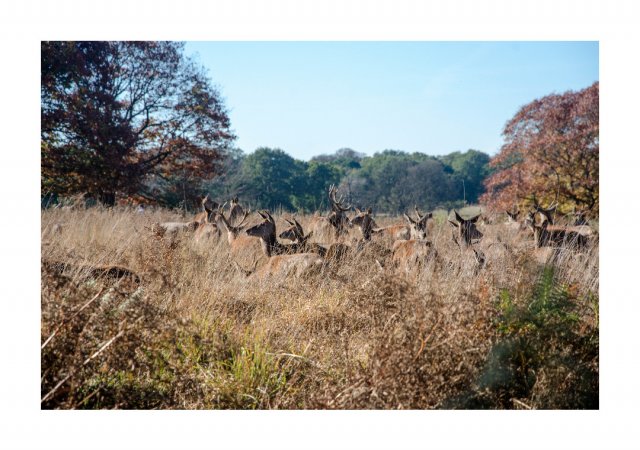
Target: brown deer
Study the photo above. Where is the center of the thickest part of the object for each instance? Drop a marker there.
(295, 233)
(207, 232)
(465, 235)
(546, 235)
(410, 254)
(546, 213)
(335, 224)
(282, 260)
(366, 223)
(241, 246)
(266, 231)
(418, 227)
(208, 209)
(171, 229)
(465, 230)
(235, 211)
(412, 230)
(334, 252)
(366, 246)
(512, 217)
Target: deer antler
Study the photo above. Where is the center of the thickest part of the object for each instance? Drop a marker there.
(337, 204)
(244, 217)
(420, 216)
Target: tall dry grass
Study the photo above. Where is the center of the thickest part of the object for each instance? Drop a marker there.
(194, 332)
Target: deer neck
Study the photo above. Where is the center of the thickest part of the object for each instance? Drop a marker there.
(271, 246)
(232, 232)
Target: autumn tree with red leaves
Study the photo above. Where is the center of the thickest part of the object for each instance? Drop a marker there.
(551, 151)
(117, 115)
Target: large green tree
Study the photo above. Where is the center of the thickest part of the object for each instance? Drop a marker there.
(469, 171)
(270, 178)
(116, 115)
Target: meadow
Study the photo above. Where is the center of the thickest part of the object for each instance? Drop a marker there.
(181, 326)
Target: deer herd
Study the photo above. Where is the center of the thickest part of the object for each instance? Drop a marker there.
(330, 240)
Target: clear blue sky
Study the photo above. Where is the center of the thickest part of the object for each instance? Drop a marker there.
(309, 98)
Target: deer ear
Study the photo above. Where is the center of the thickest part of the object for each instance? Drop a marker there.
(409, 219)
(358, 210)
(458, 217)
(475, 219)
(369, 210)
(429, 216)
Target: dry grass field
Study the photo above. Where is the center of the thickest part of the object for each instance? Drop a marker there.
(134, 321)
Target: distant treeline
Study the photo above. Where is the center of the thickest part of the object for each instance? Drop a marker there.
(391, 181)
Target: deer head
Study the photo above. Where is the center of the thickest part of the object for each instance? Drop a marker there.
(366, 223)
(337, 218)
(295, 232)
(418, 226)
(266, 231)
(547, 213)
(208, 207)
(235, 210)
(513, 216)
(465, 229)
(232, 230)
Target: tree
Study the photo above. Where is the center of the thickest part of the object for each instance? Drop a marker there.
(344, 158)
(115, 115)
(551, 150)
(317, 179)
(470, 168)
(429, 186)
(271, 178)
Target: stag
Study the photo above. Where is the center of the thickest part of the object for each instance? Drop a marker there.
(233, 231)
(241, 246)
(208, 210)
(337, 221)
(366, 223)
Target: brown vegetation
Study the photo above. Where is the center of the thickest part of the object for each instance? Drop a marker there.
(192, 331)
